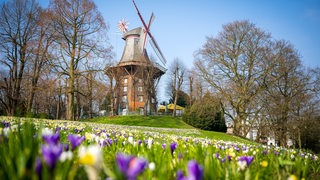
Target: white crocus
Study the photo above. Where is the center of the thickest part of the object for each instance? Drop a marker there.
(130, 139)
(152, 166)
(66, 155)
(46, 131)
(242, 164)
(150, 142)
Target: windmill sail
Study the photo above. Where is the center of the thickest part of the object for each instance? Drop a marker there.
(153, 42)
(157, 50)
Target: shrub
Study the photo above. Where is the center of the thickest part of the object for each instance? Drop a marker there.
(205, 114)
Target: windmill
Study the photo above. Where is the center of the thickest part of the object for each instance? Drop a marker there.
(136, 76)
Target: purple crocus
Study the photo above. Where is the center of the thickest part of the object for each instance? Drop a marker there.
(180, 175)
(164, 146)
(38, 167)
(217, 155)
(109, 141)
(75, 140)
(247, 159)
(265, 152)
(195, 172)
(58, 129)
(173, 146)
(130, 166)
(66, 147)
(139, 142)
(51, 154)
(6, 124)
(51, 138)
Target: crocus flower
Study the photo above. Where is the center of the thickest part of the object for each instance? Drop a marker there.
(66, 147)
(51, 154)
(164, 145)
(58, 129)
(109, 141)
(195, 172)
(264, 163)
(180, 175)
(75, 140)
(130, 166)
(152, 166)
(139, 142)
(51, 138)
(66, 155)
(173, 146)
(265, 151)
(91, 155)
(245, 161)
(38, 167)
(6, 124)
(130, 139)
(292, 177)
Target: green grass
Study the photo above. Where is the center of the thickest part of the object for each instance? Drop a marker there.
(149, 121)
(165, 122)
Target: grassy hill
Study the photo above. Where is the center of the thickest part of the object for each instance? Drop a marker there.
(164, 122)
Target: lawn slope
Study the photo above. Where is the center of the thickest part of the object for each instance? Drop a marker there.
(164, 122)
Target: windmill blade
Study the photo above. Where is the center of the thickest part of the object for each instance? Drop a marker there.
(157, 50)
(153, 42)
(148, 29)
(144, 24)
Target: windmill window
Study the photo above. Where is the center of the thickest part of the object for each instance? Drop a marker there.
(125, 81)
(140, 98)
(125, 89)
(140, 89)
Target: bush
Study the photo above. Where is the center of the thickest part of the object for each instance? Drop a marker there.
(205, 114)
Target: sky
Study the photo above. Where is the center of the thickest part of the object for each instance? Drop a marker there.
(181, 26)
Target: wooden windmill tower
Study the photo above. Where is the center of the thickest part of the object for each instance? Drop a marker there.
(136, 76)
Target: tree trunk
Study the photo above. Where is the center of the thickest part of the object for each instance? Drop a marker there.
(70, 91)
(299, 138)
(175, 104)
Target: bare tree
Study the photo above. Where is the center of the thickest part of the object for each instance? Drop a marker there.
(290, 96)
(234, 64)
(80, 29)
(40, 54)
(18, 22)
(190, 80)
(176, 73)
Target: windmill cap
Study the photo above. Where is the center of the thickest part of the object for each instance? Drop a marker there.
(134, 32)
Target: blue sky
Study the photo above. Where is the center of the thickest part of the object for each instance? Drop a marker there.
(181, 26)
